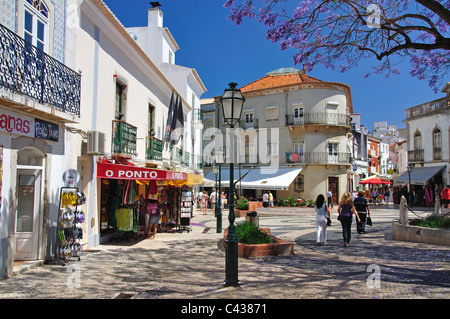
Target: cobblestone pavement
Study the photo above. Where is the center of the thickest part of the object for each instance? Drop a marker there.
(191, 265)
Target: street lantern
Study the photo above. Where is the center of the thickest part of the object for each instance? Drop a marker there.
(232, 103)
(409, 169)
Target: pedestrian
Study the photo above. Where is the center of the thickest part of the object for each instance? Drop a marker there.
(445, 196)
(213, 198)
(265, 200)
(204, 202)
(362, 207)
(374, 196)
(354, 194)
(323, 213)
(387, 194)
(330, 198)
(152, 217)
(345, 211)
(223, 200)
(270, 199)
(199, 197)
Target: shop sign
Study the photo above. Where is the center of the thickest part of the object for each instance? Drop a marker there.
(47, 131)
(175, 176)
(16, 123)
(195, 179)
(117, 171)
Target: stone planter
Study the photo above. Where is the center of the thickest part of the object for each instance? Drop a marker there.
(419, 234)
(278, 248)
(240, 213)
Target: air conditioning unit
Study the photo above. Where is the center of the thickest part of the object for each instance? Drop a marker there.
(96, 143)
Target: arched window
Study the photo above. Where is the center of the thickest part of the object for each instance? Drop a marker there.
(437, 144)
(417, 140)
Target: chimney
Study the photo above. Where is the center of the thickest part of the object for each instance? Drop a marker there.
(155, 17)
(304, 68)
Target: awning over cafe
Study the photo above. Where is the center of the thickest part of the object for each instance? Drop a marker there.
(419, 175)
(265, 178)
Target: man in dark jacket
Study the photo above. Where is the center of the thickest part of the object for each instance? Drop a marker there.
(363, 210)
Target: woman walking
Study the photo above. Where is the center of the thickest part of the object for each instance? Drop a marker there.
(204, 202)
(345, 211)
(323, 212)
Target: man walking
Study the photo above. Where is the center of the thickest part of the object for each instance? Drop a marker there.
(330, 199)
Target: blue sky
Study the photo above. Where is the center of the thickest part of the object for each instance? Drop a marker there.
(222, 52)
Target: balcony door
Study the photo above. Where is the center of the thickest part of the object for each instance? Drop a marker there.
(299, 118)
(333, 152)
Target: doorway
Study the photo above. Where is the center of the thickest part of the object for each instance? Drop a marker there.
(333, 185)
(29, 205)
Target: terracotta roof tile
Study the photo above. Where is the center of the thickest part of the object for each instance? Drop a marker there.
(279, 79)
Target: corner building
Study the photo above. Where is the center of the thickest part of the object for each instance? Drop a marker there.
(311, 153)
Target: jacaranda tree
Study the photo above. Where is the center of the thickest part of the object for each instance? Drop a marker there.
(340, 33)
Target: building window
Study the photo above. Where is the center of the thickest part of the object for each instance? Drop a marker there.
(248, 117)
(272, 148)
(299, 185)
(272, 113)
(151, 116)
(437, 144)
(333, 152)
(298, 115)
(36, 24)
(120, 101)
(417, 141)
(298, 147)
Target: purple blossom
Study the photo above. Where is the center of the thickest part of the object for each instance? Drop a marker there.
(324, 31)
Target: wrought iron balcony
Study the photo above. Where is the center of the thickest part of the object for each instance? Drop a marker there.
(198, 161)
(123, 138)
(176, 154)
(29, 71)
(154, 149)
(319, 119)
(253, 124)
(319, 158)
(415, 156)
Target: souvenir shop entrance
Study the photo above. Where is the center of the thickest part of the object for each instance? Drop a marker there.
(126, 189)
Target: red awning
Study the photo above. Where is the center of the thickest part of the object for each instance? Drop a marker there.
(119, 171)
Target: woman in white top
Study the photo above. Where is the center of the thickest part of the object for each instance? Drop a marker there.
(323, 212)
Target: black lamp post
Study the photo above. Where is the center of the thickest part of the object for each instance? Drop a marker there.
(232, 104)
(410, 168)
(217, 167)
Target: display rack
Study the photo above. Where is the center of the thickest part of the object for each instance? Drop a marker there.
(185, 209)
(69, 228)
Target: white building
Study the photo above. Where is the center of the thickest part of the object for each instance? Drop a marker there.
(298, 125)
(128, 84)
(428, 127)
(39, 99)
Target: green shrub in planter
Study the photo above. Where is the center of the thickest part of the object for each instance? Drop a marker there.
(282, 202)
(248, 233)
(291, 200)
(242, 204)
(432, 222)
